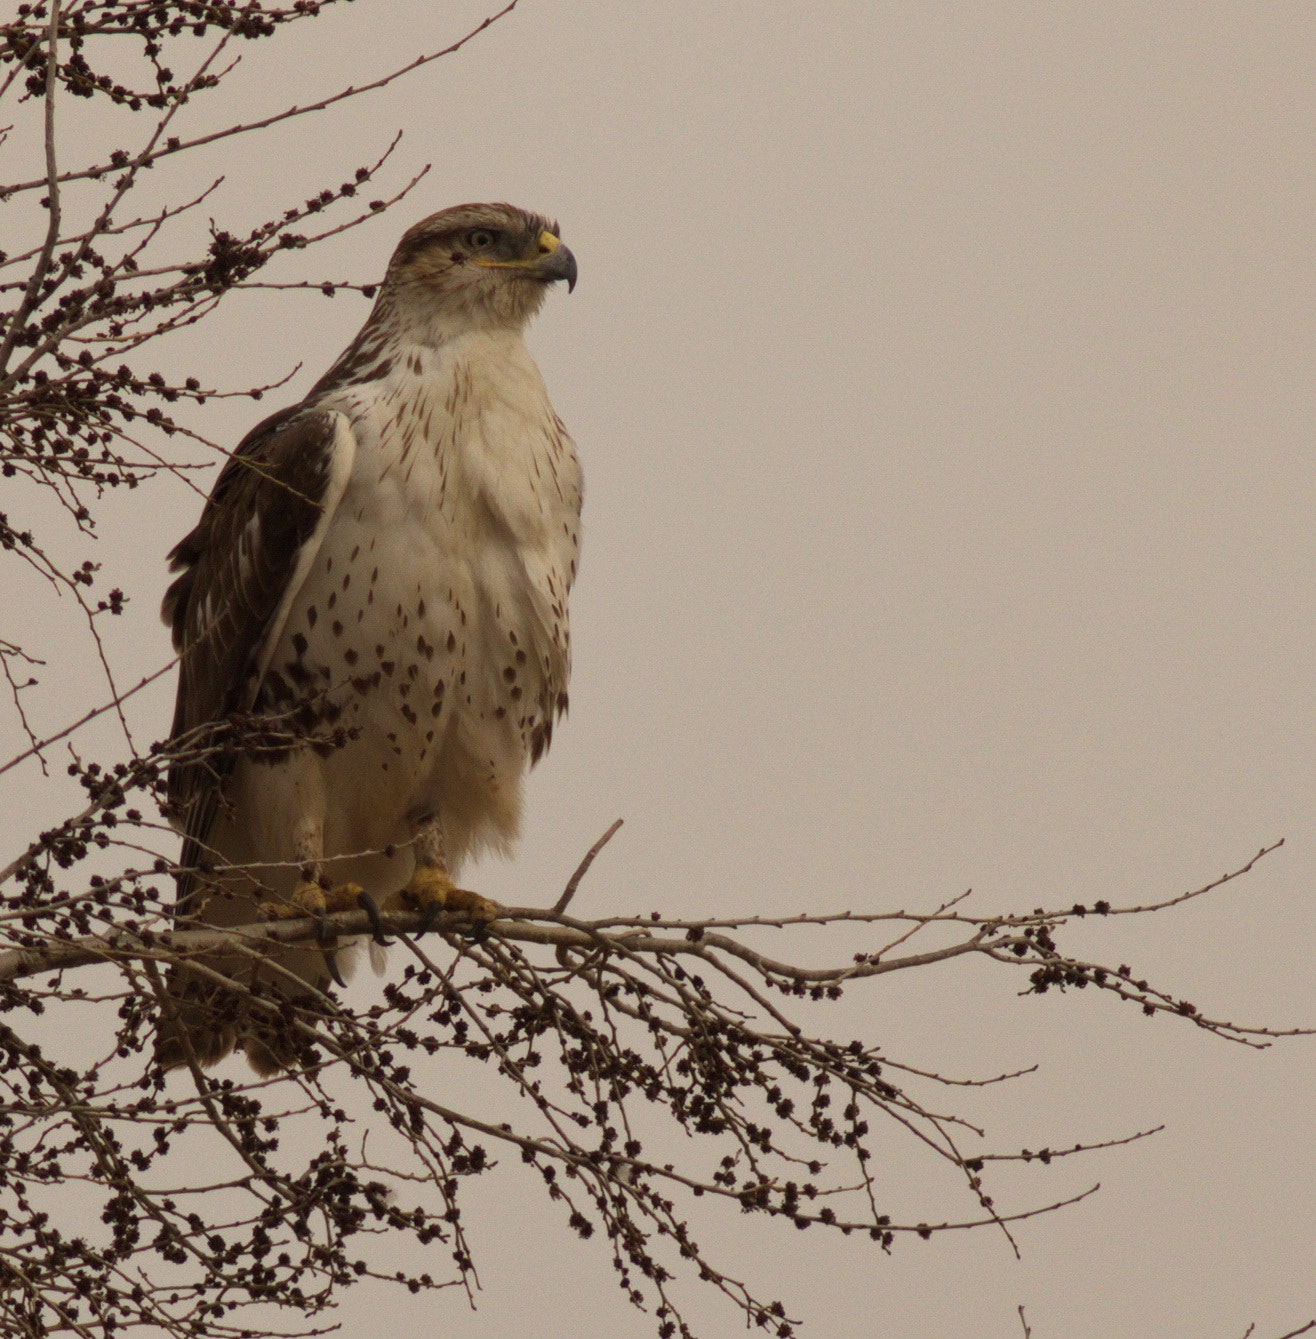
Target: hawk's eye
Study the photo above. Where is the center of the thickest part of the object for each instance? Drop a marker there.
(480, 239)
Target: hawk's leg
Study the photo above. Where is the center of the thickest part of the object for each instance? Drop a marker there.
(430, 888)
(312, 896)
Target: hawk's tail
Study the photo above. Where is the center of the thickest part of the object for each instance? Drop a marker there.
(202, 1021)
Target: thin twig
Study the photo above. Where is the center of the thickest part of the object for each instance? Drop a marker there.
(114, 704)
(51, 181)
(583, 868)
(154, 154)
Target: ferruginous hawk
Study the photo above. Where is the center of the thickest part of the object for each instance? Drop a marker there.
(374, 607)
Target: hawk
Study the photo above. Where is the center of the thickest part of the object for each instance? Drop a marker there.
(371, 619)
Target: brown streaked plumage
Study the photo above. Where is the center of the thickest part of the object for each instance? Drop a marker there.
(372, 620)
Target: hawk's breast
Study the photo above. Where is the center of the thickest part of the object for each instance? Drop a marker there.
(433, 625)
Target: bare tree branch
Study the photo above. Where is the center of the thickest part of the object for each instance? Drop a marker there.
(598, 1037)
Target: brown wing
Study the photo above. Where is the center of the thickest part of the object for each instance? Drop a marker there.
(240, 568)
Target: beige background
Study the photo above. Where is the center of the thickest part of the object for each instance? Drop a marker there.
(943, 379)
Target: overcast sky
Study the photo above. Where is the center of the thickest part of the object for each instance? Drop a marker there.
(942, 375)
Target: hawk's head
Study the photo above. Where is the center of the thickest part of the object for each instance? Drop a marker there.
(490, 263)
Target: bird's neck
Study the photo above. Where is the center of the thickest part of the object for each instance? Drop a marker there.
(396, 327)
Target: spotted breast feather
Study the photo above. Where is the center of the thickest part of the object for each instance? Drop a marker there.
(372, 623)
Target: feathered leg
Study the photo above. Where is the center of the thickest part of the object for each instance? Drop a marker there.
(312, 896)
(430, 887)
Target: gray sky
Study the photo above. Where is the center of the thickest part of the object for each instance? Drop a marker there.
(942, 376)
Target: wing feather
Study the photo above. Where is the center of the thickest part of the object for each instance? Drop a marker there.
(240, 571)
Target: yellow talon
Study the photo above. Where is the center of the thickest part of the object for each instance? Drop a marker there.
(310, 899)
(430, 886)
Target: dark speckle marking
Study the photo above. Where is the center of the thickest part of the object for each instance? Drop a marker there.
(347, 580)
(388, 666)
(452, 643)
(277, 686)
(299, 643)
(509, 674)
(338, 628)
(311, 616)
(332, 600)
(350, 656)
(520, 657)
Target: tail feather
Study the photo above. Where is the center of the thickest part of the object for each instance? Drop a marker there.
(202, 1021)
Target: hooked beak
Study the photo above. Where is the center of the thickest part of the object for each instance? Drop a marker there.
(555, 261)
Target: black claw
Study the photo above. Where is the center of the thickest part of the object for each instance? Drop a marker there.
(428, 918)
(478, 932)
(331, 966)
(371, 908)
(331, 962)
(326, 942)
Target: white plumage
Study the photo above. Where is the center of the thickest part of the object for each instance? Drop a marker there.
(396, 555)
